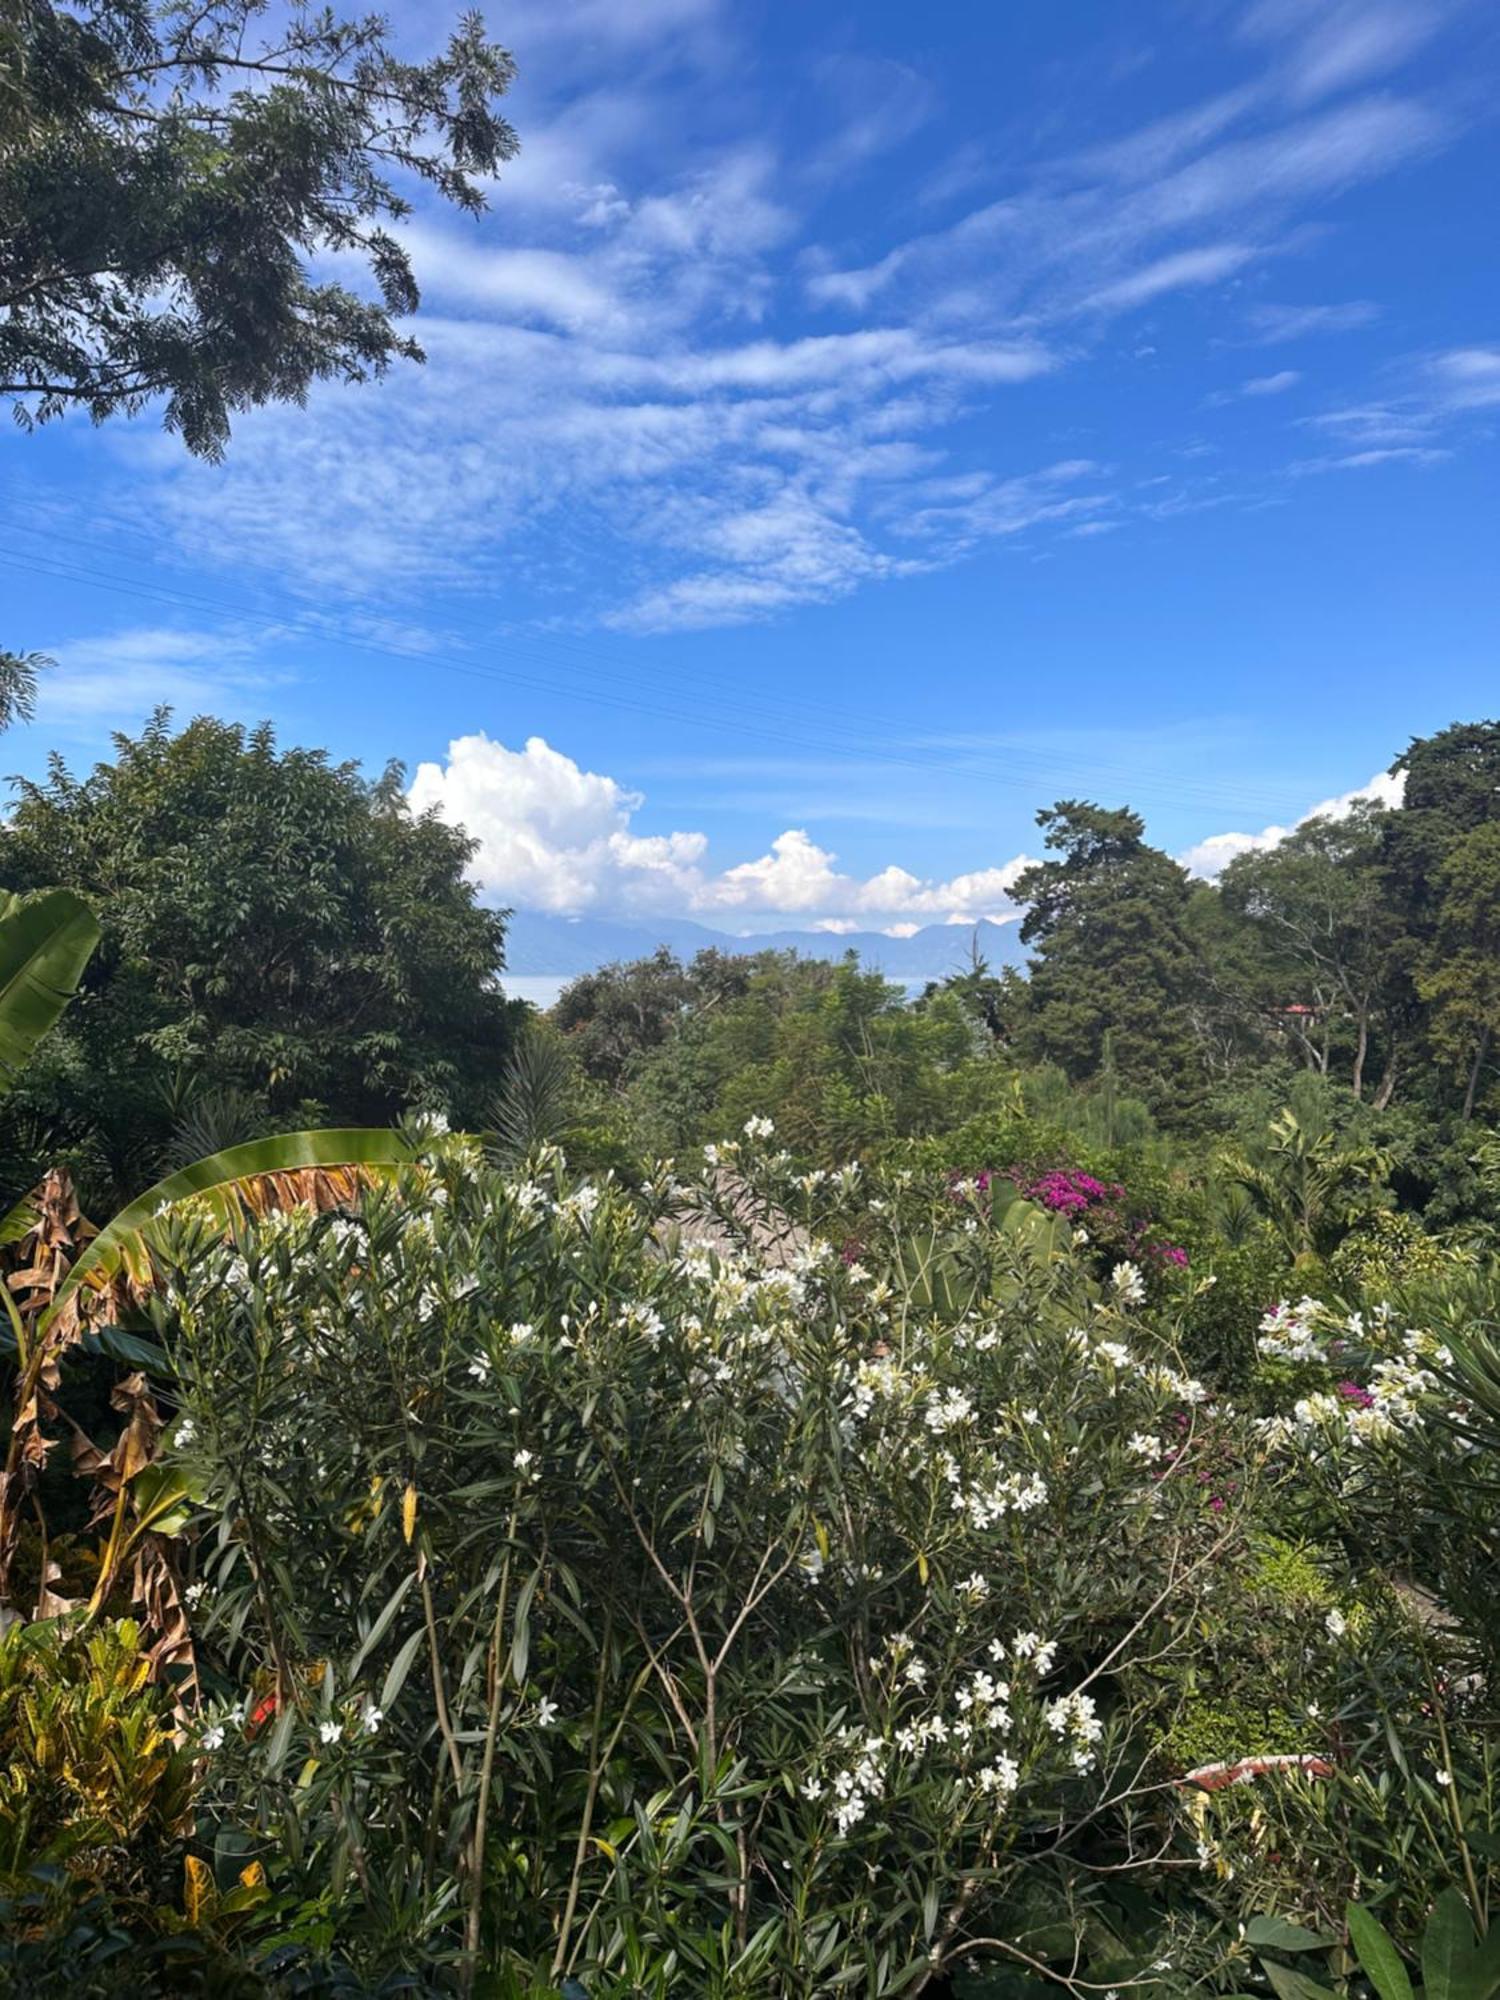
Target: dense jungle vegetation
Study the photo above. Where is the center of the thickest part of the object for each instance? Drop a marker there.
(747, 1484)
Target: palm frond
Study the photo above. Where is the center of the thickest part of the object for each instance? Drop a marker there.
(318, 1170)
(534, 1105)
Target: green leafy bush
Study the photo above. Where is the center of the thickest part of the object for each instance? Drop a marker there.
(585, 1599)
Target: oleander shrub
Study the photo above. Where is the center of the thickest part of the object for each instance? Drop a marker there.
(755, 1611)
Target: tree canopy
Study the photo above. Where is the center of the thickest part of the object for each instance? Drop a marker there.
(274, 926)
(168, 175)
(1107, 921)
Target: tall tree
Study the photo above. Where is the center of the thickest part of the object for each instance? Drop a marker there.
(1326, 932)
(1106, 922)
(273, 925)
(170, 174)
(1452, 787)
(1461, 982)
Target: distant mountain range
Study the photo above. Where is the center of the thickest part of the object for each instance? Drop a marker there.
(540, 947)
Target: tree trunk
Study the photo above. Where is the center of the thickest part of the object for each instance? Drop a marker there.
(1474, 1068)
(1361, 1050)
(1386, 1089)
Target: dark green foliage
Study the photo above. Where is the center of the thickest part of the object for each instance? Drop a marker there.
(1321, 933)
(168, 175)
(1107, 923)
(18, 683)
(275, 926)
(1218, 1323)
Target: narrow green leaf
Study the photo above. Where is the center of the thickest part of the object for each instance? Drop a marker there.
(1379, 1959)
(400, 1667)
(382, 1624)
(1276, 1934)
(1447, 1946)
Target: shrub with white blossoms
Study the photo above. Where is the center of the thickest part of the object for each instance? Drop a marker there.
(633, 1602)
(1356, 1378)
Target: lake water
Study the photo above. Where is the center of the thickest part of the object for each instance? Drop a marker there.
(542, 988)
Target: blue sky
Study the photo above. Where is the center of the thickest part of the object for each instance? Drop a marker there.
(851, 427)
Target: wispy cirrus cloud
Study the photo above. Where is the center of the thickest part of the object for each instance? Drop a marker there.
(660, 397)
(115, 680)
(1433, 401)
(1272, 324)
(1329, 45)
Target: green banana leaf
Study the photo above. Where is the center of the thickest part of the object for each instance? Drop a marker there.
(288, 1168)
(45, 942)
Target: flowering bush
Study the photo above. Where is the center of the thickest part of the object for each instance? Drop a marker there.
(584, 1598)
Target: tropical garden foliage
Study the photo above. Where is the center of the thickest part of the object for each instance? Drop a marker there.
(750, 1485)
(992, 1523)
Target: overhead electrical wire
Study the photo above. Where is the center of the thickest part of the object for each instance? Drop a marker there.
(1015, 768)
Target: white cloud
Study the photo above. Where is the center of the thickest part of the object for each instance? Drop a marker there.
(1272, 324)
(1329, 45)
(1468, 378)
(1431, 401)
(552, 836)
(1369, 459)
(1207, 859)
(621, 413)
(115, 680)
(1103, 233)
(1271, 385)
(1205, 266)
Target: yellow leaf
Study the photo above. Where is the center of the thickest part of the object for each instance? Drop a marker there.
(198, 1889)
(820, 1536)
(921, 1568)
(409, 1513)
(606, 1847)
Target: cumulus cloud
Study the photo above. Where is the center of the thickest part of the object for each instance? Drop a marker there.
(1208, 859)
(552, 836)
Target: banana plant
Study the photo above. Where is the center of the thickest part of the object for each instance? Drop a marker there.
(63, 1297)
(45, 943)
(67, 1282)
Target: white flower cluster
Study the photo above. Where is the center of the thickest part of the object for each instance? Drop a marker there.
(1158, 1375)
(854, 1787)
(1289, 1332)
(1402, 1391)
(1072, 1718)
(947, 1409)
(1128, 1284)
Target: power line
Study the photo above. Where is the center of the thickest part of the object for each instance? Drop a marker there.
(1018, 769)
